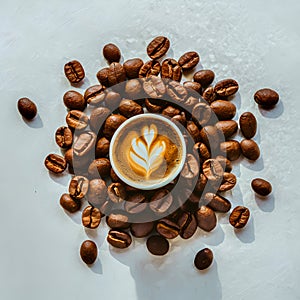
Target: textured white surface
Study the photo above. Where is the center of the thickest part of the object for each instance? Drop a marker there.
(255, 42)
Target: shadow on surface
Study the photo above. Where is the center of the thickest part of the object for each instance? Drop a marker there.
(246, 234)
(266, 204)
(272, 113)
(35, 123)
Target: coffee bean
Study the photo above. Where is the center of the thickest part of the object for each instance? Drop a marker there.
(193, 130)
(248, 125)
(239, 217)
(202, 113)
(88, 252)
(132, 67)
(266, 98)
(203, 259)
(135, 203)
(99, 167)
(204, 77)
(55, 163)
(217, 202)
(154, 87)
(261, 187)
(94, 95)
(250, 149)
(102, 147)
(180, 119)
(74, 71)
(190, 169)
(177, 92)
(170, 111)
(209, 95)
(201, 184)
(212, 169)
(161, 201)
(210, 136)
(224, 110)
(27, 108)
(189, 60)
(167, 228)
(78, 163)
(84, 143)
(74, 101)
(150, 68)
(226, 87)
(134, 89)
(117, 192)
(188, 225)
(116, 74)
(111, 53)
(229, 127)
(158, 47)
(64, 137)
(77, 119)
(140, 230)
(91, 217)
(171, 69)
(102, 77)
(117, 221)
(228, 182)
(97, 192)
(191, 101)
(112, 99)
(78, 187)
(192, 86)
(225, 163)
(231, 149)
(111, 125)
(69, 204)
(113, 176)
(153, 106)
(130, 108)
(119, 239)
(206, 218)
(98, 117)
(157, 245)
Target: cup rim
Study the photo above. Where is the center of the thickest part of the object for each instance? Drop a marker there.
(160, 183)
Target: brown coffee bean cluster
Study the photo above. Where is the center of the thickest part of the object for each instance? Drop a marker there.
(206, 174)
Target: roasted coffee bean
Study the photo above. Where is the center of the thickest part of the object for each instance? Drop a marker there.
(226, 87)
(157, 245)
(154, 87)
(171, 69)
(204, 77)
(192, 86)
(266, 98)
(228, 182)
(201, 151)
(74, 71)
(225, 163)
(189, 60)
(55, 163)
(27, 108)
(94, 95)
(119, 239)
(203, 259)
(177, 92)
(112, 99)
(113, 176)
(167, 228)
(77, 119)
(188, 225)
(78, 187)
(99, 167)
(201, 184)
(117, 192)
(117, 221)
(229, 127)
(74, 101)
(102, 147)
(91, 217)
(190, 169)
(98, 117)
(250, 149)
(111, 53)
(170, 111)
(150, 68)
(261, 187)
(239, 217)
(134, 88)
(69, 204)
(132, 67)
(191, 101)
(210, 136)
(88, 252)
(116, 74)
(140, 230)
(130, 108)
(158, 47)
(224, 110)
(111, 125)
(202, 113)
(206, 218)
(97, 193)
(152, 106)
(84, 143)
(64, 137)
(102, 77)
(248, 125)
(135, 203)
(217, 202)
(194, 131)
(209, 95)
(75, 161)
(212, 169)
(231, 149)
(161, 201)
(180, 118)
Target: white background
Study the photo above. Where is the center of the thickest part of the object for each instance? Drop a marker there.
(256, 42)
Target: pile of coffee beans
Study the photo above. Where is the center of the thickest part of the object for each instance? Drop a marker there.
(203, 111)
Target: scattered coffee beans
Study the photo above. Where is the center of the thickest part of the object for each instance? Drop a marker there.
(227, 87)
(189, 60)
(250, 149)
(266, 98)
(55, 163)
(248, 125)
(74, 101)
(119, 239)
(64, 137)
(203, 259)
(27, 108)
(204, 77)
(112, 53)
(141, 230)
(88, 252)
(206, 218)
(74, 71)
(239, 217)
(91, 217)
(158, 47)
(261, 187)
(132, 67)
(69, 204)
(158, 245)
